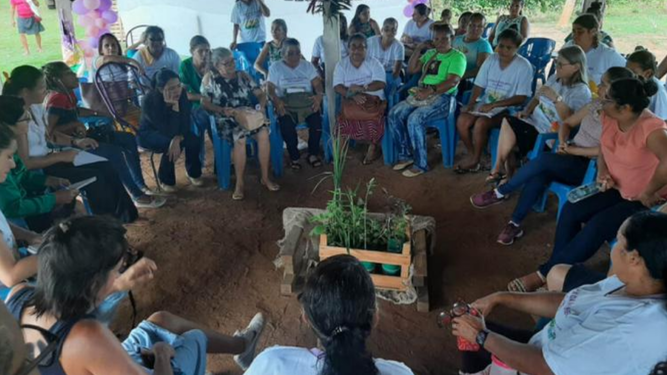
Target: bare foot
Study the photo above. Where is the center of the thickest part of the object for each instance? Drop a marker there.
(272, 186)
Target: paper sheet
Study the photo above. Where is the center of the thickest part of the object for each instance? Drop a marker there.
(84, 158)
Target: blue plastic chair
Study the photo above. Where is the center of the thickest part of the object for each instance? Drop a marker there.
(537, 149)
(538, 51)
(241, 62)
(276, 139)
(448, 137)
(251, 51)
(561, 190)
(223, 156)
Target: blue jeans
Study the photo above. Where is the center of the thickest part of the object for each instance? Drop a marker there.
(158, 142)
(124, 157)
(407, 125)
(189, 348)
(201, 123)
(600, 215)
(536, 176)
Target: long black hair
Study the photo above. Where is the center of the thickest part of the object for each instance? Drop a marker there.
(646, 232)
(53, 72)
(635, 92)
(22, 77)
(645, 59)
(339, 303)
(110, 36)
(355, 20)
(6, 137)
(12, 109)
(75, 261)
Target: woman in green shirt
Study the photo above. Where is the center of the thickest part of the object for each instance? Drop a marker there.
(191, 71)
(441, 70)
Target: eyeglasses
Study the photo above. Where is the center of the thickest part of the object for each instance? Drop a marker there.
(230, 62)
(156, 39)
(42, 356)
(561, 64)
(459, 308)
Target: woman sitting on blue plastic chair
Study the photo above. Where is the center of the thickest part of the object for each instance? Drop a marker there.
(166, 128)
(296, 91)
(564, 94)
(503, 82)
(441, 69)
(390, 52)
(632, 167)
(272, 51)
(568, 165)
(227, 89)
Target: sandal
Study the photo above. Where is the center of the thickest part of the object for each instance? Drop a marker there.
(314, 161)
(413, 172)
(402, 165)
(295, 165)
(495, 178)
(518, 285)
(461, 170)
(238, 196)
(271, 186)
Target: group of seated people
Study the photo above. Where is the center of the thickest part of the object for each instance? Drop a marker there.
(598, 105)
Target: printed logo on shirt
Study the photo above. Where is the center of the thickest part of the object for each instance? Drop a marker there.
(251, 24)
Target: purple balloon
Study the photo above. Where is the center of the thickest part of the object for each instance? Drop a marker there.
(104, 5)
(79, 8)
(408, 10)
(93, 42)
(110, 16)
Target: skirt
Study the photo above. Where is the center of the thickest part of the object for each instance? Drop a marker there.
(29, 26)
(368, 130)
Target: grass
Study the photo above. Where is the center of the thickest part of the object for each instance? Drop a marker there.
(630, 24)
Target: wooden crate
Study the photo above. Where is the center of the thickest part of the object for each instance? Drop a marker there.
(402, 259)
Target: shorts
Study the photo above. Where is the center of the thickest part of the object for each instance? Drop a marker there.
(525, 133)
(29, 26)
(190, 347)
(580, 275)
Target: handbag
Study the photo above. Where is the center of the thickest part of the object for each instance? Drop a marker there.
(372, 109)
(425, 102)
(299, 106)
(92, 99)
(250, 119)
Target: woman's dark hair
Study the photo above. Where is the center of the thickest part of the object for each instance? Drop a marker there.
(75, 260)
(465, 15)
(660, 369)
(619, 72)
(338, 300)
(635, 92)
(511, 35)
(357, 36)
(12, 109)
(477, 16)
(441, 27)
(162, 77)
(111, 36)
(596, 9)
(343, 28)
(390, 20)
(6, 136)
(422, 9)
(53, 72)
(197, 41)
(288, 43)
(589, 22)
(644, 58)
(154, 30)
(446, 13)
(280, 22)
(645, 232)
(356, 23)
(22, 77)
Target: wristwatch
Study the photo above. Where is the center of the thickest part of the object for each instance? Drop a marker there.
(481, 337)
(559, 99)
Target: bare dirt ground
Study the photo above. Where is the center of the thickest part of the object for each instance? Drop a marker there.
(215, 258)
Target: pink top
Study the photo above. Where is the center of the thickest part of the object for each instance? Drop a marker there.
(631, 164)
(22, 8)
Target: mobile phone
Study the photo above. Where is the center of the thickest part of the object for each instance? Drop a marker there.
(582, 192)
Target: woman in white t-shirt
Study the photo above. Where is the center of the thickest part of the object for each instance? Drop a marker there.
(616, 326)
(643, 63)
(564, 94)
(318, 55)
(13, 270)
(418, 29)
(390, 52)
(599, 57)
(503, 81)
(338, 302)
(296, 91)
(248, 19)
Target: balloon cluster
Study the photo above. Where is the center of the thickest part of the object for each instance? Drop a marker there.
(95, 16)
(410, 8)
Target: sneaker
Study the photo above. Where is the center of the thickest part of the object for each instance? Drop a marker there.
(198, 182)
(168, 188)
(484, 200)
(509, 234)
(251, 336)
(154, 202)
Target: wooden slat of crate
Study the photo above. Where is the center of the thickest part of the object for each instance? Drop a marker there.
(288, 255)
(380, 281)
(419, 250)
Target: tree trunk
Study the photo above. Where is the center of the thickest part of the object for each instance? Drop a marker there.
(568, 9)
(331, 43)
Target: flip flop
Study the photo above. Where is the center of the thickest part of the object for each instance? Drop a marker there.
(412, 172)
(295, 165)
(517, 286)
(238, 196)
(461, 170)
(314, 161)
(402, 165)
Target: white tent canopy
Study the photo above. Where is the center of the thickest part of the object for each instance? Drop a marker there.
(211, 18)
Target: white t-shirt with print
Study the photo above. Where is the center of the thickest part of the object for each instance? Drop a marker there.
(288, 80)
(575, 97)
(418, 34)
(283, 360)
(318, 49)
(250, 19)
(599, 330)
(659, 101)
(37, 145)
(369, 71)
(500, 84)
(600, 59)
(388, 57)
